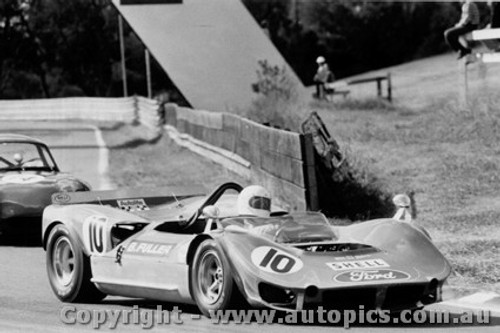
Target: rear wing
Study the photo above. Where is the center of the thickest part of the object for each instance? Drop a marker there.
(139, 198)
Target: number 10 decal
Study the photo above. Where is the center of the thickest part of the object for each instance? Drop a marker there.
(94, 234)
(274, 260)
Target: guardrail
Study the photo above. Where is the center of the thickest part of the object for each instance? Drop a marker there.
(279, 160)
(127, 109)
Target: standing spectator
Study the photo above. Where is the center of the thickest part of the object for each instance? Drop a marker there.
(468, 21)
(323, 76)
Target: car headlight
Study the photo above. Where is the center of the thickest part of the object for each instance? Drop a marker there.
(403, 208)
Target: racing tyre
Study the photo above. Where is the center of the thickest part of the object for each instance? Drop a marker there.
(69, 269)
(212, 284)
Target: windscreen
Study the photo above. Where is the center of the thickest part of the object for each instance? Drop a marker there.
(23, 156)
(304, 227)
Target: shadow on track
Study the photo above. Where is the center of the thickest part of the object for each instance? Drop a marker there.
(19, 239)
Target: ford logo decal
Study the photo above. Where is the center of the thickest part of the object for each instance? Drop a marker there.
(371, 276)
(61, 198)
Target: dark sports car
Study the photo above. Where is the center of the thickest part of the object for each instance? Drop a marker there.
(175, 247)
(28, 178)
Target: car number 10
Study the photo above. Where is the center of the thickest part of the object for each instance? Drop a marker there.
(94, 234)
(274, 260)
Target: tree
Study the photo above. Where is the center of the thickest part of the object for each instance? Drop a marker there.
(57, 48)
(354, 36)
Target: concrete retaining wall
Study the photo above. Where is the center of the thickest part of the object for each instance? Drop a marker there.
(270, 157)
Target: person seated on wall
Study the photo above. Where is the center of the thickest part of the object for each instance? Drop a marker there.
(468, 21)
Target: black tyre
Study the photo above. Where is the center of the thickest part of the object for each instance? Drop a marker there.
(212, 284)
(69, 269)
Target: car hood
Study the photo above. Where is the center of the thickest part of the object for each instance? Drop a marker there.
(375, 252)
(27, 193)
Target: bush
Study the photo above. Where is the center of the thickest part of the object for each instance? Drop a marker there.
(276, 104)
(352, 191)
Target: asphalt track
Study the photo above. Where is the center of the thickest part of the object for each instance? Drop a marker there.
(27, 303)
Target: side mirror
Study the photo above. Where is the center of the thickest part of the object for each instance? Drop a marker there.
(211, 212)
(403, 208)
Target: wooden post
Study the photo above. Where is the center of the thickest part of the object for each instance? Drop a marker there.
(122, 54)
(465, 87)
(148, 73)
(379, 87)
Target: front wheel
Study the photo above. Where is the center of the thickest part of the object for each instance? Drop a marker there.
(69, 269)
(212, 284)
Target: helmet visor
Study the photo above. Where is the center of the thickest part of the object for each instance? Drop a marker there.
(260, 203)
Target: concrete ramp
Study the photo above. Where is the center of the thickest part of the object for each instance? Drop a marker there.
(209, 48)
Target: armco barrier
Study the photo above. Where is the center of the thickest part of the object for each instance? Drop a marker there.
(118, 109)
(148, 112)
(279, 160)
(126, 109)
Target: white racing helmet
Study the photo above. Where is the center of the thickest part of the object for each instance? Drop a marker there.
(254, 200)
(320, 60)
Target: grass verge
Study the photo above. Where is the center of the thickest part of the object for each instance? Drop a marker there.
(163, 163)
(449, 157)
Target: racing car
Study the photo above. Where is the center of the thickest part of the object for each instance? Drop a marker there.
(180, 245)
(28, 178)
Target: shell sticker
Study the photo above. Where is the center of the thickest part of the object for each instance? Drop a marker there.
(22, 179)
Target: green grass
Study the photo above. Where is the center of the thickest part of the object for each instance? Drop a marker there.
(163, 163)
(122, 135)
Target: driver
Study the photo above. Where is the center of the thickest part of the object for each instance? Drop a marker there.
(254, 200)
(18, 157)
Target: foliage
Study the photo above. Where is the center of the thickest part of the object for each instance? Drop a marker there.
(64, 45)
(354, 36)
(58, 48)
(273, 81)
(352, 191)
(277, 101)
(53, 48)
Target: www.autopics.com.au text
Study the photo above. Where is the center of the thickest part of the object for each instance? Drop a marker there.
(148, 318)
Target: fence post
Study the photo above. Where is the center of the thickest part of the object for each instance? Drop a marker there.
(309, 167)
(389, 87)
(465, 88)
(122, 56)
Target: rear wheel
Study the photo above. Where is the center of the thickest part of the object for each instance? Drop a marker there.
(69, 269)
(211, 279)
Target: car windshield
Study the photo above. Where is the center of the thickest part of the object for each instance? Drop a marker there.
(300, 227)
(25, 156)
